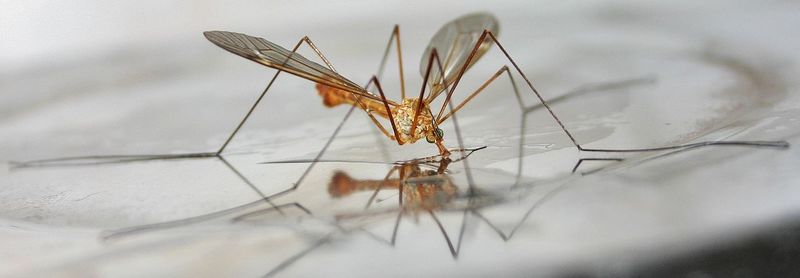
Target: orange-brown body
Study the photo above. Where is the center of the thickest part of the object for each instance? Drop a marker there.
(403, 115)
(420, 190)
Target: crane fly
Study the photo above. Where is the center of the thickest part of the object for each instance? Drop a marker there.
(411, 118)
(460, 43)
(453, 49)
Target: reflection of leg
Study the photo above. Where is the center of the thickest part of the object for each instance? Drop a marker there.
(765, 144)
(506, 237)
(454, 251)
(684, 148)
(250, 184)
(605, 86)
(594, 88)
(580, 161)
(444, 234)
(129, 231)
(317, 157)
(283, 265)
(396, 227)
(374, 194)
(105, 159)
(491, 225)
(254, 214)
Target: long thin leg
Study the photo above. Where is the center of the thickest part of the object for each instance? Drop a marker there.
(317, 157)
(580, 91)
(294, 258)
(420, 100)
(538, 203)
(260, 97)
(488, 35)
(434, 57)
(767, 144)
(396, 227)
(580, 161)
(375, 194)
(138, 229)
(395, 33)
(260, 212)
(316, 50)
(105, 159)
(129, 231)
(397, 137)
(521, 104)
(454, 249)
(374, 120)
(470, 184)
(333, 136)
(480, 89)
(394, 37)
(250, 184)
(92, 160)
(444, 233)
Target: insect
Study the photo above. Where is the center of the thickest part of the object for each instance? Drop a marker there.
(411, 118)
(460, 42)
(420, 191)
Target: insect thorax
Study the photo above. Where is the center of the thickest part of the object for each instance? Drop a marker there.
(404, 118)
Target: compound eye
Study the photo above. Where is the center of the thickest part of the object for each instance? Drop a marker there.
(435, 136)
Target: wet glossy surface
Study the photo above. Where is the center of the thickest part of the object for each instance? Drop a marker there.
(652, 81)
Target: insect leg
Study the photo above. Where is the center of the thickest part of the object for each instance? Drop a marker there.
(770, 144)
(470, 183)
(488, 35)
(120, 233)
(397, 138)
(394, 37)
(254, 214)
(375, 194)
(355, 96)
(434, 57)
(480, 89)
(396, 226)
(263, 93)
(580, 161)
(453, 250)
(420, 100)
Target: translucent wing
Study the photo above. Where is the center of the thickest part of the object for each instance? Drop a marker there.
(454, 42)
(272, 55)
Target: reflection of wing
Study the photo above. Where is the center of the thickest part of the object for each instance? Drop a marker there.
(454, 42)
(272, 55)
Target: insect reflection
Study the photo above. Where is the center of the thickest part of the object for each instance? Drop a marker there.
(420, 190)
